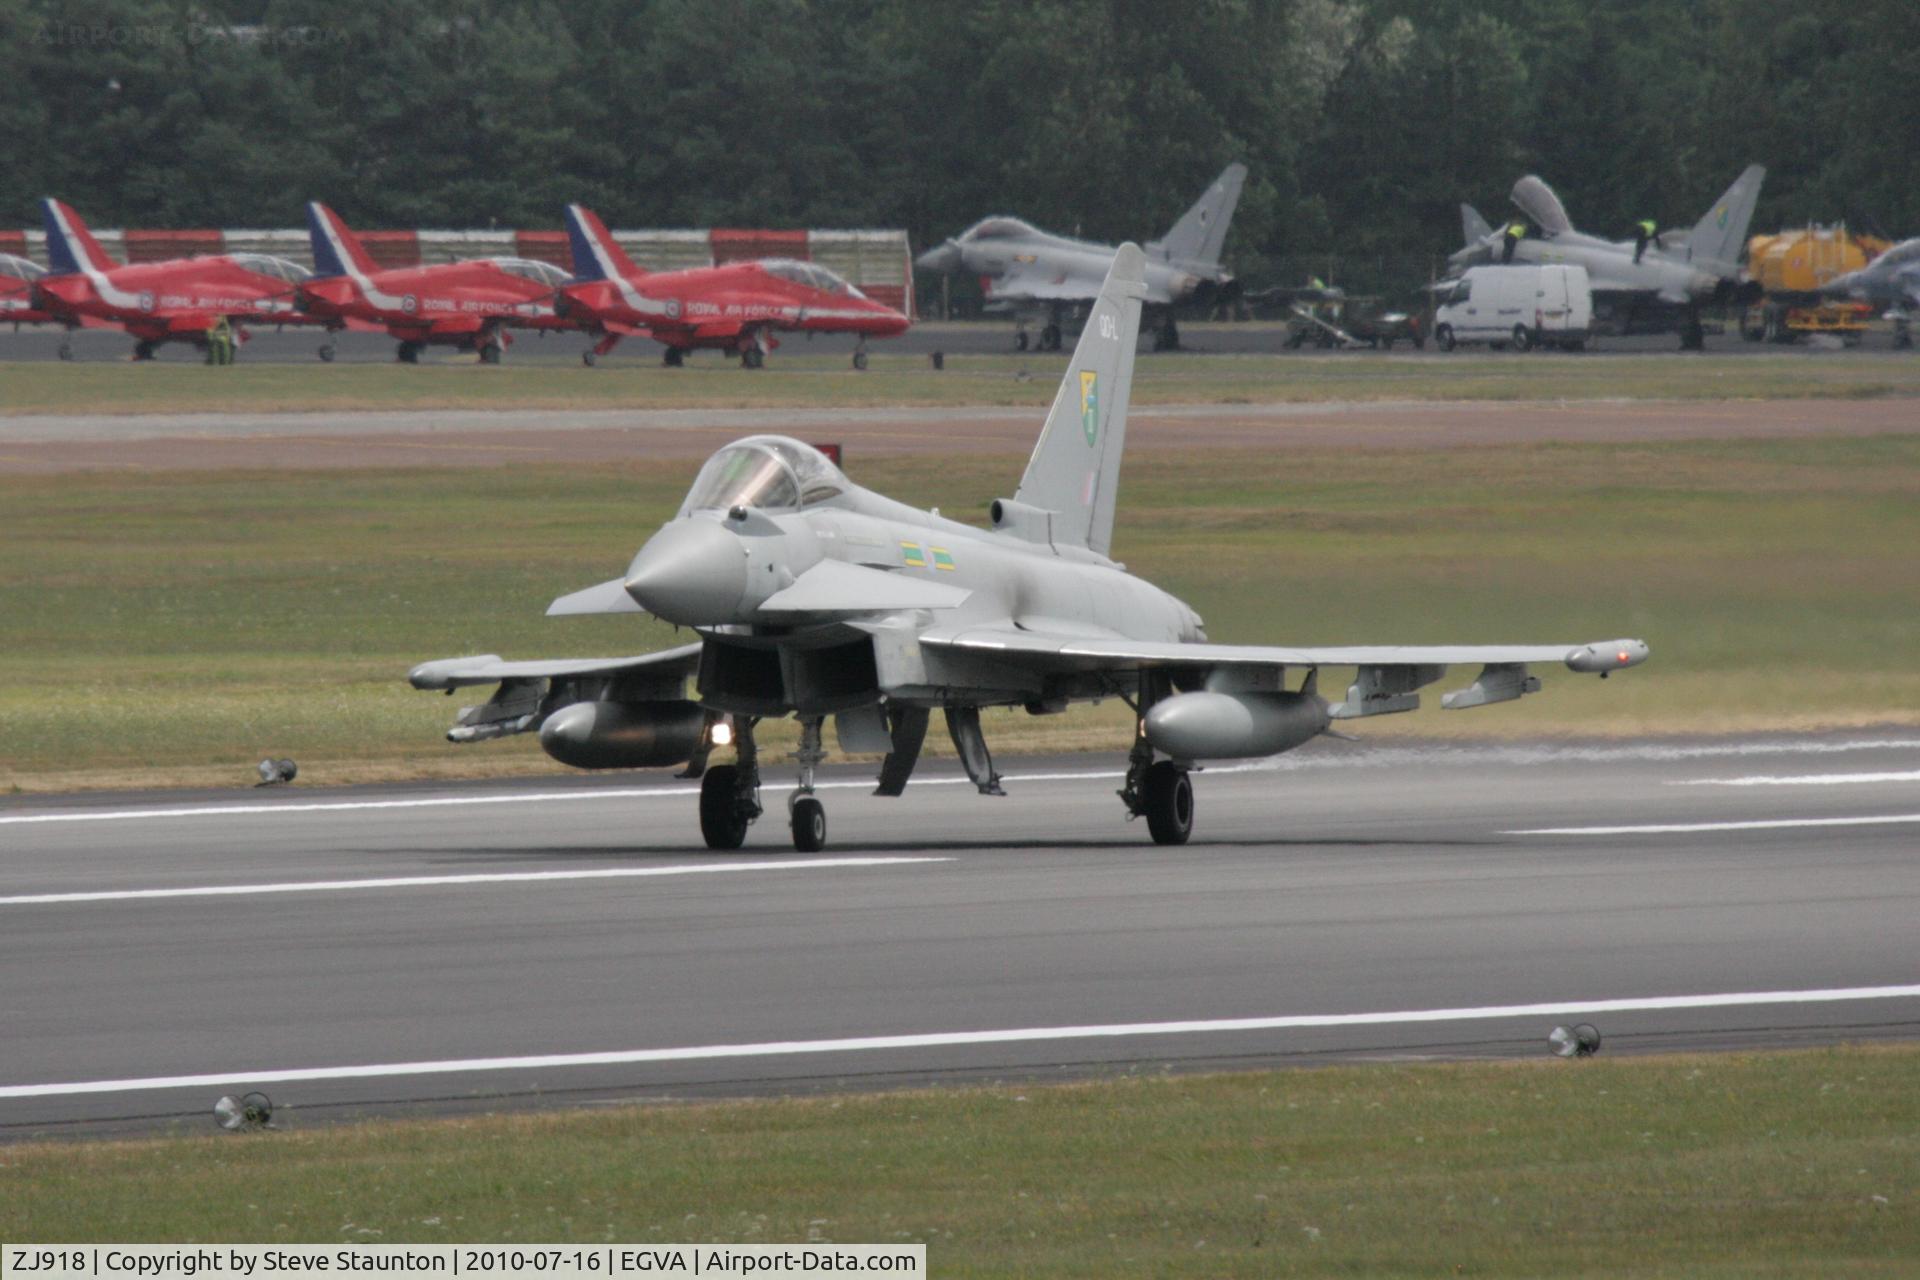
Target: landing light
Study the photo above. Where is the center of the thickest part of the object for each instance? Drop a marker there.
(1581, 1040)
(252, 1111)
(722, 734)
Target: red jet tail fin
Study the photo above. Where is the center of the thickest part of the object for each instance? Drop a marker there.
(596, 254)
(336, 250)
(71, 248)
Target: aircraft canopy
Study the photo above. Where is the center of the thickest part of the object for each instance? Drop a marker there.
(267, 265)
(773, 473)
(20, 268)
(810, 274)
(998, 229)
(528, 269)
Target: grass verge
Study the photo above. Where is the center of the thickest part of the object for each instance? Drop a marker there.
(825, 381)
(174, 628)
(1745, 1165)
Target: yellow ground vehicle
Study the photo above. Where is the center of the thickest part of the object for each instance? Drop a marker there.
(1791, 266)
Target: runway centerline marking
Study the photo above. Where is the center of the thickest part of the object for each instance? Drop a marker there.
(943, 1039)
(1799, 779)
(1683, 828)
(489, 877)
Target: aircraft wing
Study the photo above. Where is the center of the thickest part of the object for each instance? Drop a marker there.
(1388, 674)
(488, 668)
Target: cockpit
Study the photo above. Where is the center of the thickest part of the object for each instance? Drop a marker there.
(541, 273)
(267, 265)
(20, 268)
(810, 274)
(772, 473)
(998, 229)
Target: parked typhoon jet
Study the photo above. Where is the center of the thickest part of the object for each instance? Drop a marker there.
(815, 597)
(735, 307)
(180, 300)
(1652, 284)
(469, 305)
(1041, 275)
(1890, 281)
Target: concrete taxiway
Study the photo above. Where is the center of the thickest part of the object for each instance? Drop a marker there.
(406, 948)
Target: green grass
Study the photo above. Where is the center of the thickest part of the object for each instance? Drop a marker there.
(1751, 1165)
(803, 380)
(176, 627)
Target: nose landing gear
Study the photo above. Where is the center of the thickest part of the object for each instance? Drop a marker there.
(730, 794)
(806, 815)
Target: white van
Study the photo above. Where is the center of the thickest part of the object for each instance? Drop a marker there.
(1526, 306)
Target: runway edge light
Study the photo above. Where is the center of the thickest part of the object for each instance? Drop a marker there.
(1581, 1040)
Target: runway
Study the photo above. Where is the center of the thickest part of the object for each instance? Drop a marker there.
(401, 949)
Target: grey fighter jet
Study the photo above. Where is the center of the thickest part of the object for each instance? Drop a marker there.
(1650, 284)
(1890, 281)
(815, 598)
(1040, 276)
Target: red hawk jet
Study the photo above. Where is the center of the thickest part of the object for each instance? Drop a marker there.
(733, 308)
(469, 305)
(179, 300)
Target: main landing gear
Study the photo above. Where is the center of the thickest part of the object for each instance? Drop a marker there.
(409, 352)
(1158, 790)
(860, 354)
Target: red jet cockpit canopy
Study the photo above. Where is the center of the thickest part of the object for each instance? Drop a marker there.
(267, 265)
(544, 273)
(773, 473)
(810, 274)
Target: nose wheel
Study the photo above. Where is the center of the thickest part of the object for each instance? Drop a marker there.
(809, 824)
(806, 815)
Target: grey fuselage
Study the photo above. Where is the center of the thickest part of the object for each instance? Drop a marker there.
(1663, 274)
(826, 665)
(1892, 280)
(1038, 266)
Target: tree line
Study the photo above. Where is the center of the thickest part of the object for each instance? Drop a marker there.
(1364, 122)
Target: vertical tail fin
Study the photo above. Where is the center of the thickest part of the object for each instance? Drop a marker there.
(596, 254)
(1202, 230)
(1075, 468)
(1716, 240)
(71, 248)
(336, 250)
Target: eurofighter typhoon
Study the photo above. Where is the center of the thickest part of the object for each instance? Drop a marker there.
(813, 597)
(1890, 281)
(1655, 283)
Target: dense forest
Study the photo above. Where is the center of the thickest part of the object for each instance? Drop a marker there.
(1365, 122)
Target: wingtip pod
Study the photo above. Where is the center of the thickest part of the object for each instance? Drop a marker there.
(443, 672)
(1608, 655)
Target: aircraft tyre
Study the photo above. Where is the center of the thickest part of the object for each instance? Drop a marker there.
(409, 353)
(143, 351)
(66, 349)
(326, 353)
(1443, 337)
(674, 358)
(752, 358)
(860, 360)
(723, 823)
(1168, 803)
(1050, 338)
(809, 825)
(1693, 337)
(1020, 340)
(589, 359)
(1522, 339)
(490, 353)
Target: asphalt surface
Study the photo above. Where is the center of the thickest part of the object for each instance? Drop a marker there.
(232, 936)
(301, 346)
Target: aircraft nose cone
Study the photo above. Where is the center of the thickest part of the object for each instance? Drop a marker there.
(692, 572)
(943, 259)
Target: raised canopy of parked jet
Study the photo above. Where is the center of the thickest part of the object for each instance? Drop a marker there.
(737, 307)
(813, 597)
(1655, 282)
(1040, 276)
(17, 278)
(469, 305)
(179, 300)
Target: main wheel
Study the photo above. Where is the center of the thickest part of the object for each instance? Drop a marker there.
(1522, 338)
(490, 353)
(1020, 340)
(66, 350)
(860, 360)
(588, 358)
(723, 823)
(752, 358)
(1443, 337)
(1050, 338)
(809, 825)
(409, 353)
(143, 351)
(674, 358)
(1168, 797)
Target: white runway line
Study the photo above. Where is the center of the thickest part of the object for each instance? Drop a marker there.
(1020, 1035)
(531, 797)
(1799, 780)
(1682, 828)
(416, 882)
